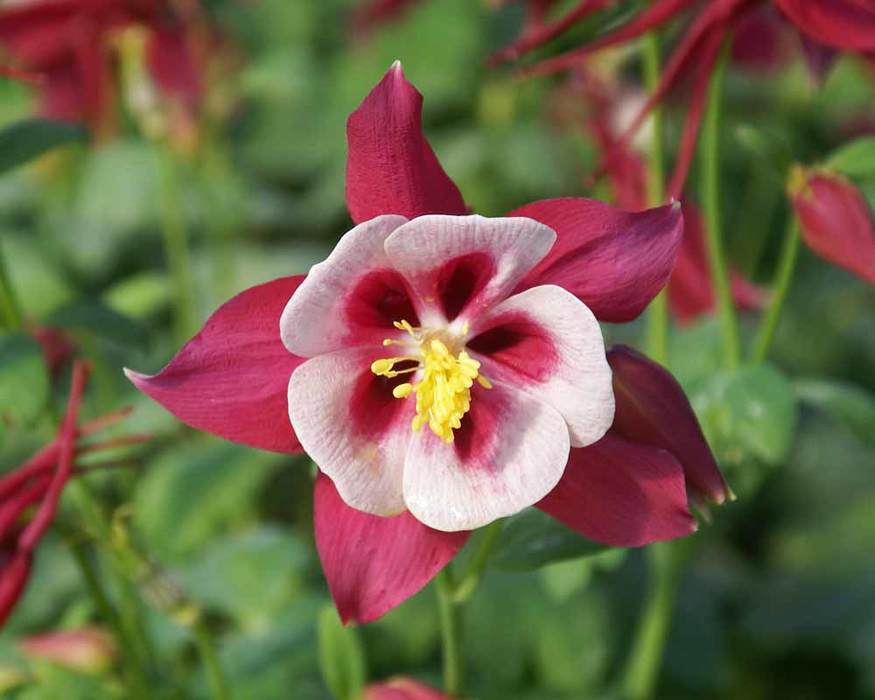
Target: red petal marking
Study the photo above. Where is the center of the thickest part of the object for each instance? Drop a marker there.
(690, 293)
(377, 300)
(541, 34)
(653, 16)
(373, 410)
(652, 409)
(374, 564)
(391, 169)
(232, 378)
(621, 494)
(843, 24)
(614, 261)
(519, 343)
(476, 442)
(836, 221)
(459, 281)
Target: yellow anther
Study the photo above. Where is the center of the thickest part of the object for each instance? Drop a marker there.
(402, 391)
(382, 367)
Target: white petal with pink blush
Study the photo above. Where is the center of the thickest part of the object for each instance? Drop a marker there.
(431, 386)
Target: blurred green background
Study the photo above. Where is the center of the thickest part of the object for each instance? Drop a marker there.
(779, 600)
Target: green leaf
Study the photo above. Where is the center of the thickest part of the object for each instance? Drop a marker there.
(24, 381)
(856, 158)
(850, 405)
(25, 140)
(533, 539)
(748, 413)
(191, 494)
(340, 656)
(97, 319)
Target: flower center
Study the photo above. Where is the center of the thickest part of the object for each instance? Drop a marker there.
(443, 392)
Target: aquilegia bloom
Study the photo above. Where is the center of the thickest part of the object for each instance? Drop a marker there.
(444, 370)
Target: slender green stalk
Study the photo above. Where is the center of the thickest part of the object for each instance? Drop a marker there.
(451, 632)
(210, 659)
(780, 287)
(135, 675)
(667, 561)
(713, 220)
(10, 314)
(657, 314)
(469, 581)
(176, 245)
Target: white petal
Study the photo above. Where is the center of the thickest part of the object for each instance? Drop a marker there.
(326, 312)
(496, 252)
(548, 343)
(510, 453)
(352, 427)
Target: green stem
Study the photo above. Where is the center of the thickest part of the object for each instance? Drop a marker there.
(210, 659)
(135, 674)
(657, 314)
(450, 620)
(711, 205)
(667, 562)
(466, 586)
(130, 608)
(780, 287)
(10, 314)
(176, 245)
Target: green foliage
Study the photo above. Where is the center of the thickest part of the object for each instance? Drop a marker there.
(855, 158)
(340, 656)
(24, 381)
(25, 140)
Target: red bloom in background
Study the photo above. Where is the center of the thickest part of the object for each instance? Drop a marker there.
(232, 379)
(38, 484)
(68, 43)
(846, 25)
(690, 290)
(835, 220)
(401, 689)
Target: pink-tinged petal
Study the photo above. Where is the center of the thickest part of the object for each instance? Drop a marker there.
(690, 293)
(390, 166)
(352, 426)
(656, 14)
(351, 298)
(87, 650)
(653, 410)
(622, 494)
(231, 379)
(402, 689)
(374, 564)
(547, 343)
(836, 220)
(509, 453)
(460, 265)
(614, 261)
(844, 24)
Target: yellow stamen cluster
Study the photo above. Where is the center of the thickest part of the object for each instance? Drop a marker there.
(443, 393)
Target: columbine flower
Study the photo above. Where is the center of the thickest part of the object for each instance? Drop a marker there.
(86, 650)
(846, 25)
(401, 689)
(68, 43)
(835, 219)
(39, 483)
(443, 364)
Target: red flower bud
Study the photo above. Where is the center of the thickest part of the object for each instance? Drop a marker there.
(88, 650)
(835, 219)
(402, 689)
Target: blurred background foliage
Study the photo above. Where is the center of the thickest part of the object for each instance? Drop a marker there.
(780, 598)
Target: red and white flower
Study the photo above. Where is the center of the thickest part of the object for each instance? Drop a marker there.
(444, 369)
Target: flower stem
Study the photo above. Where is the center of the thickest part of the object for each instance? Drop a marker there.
(657, 314)
(780, 287)
(210, 660)
(135, 674)
(466, 586)
(10, 314)
(176, 245)
(667, 561)
(450, 619)
(711, 205)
